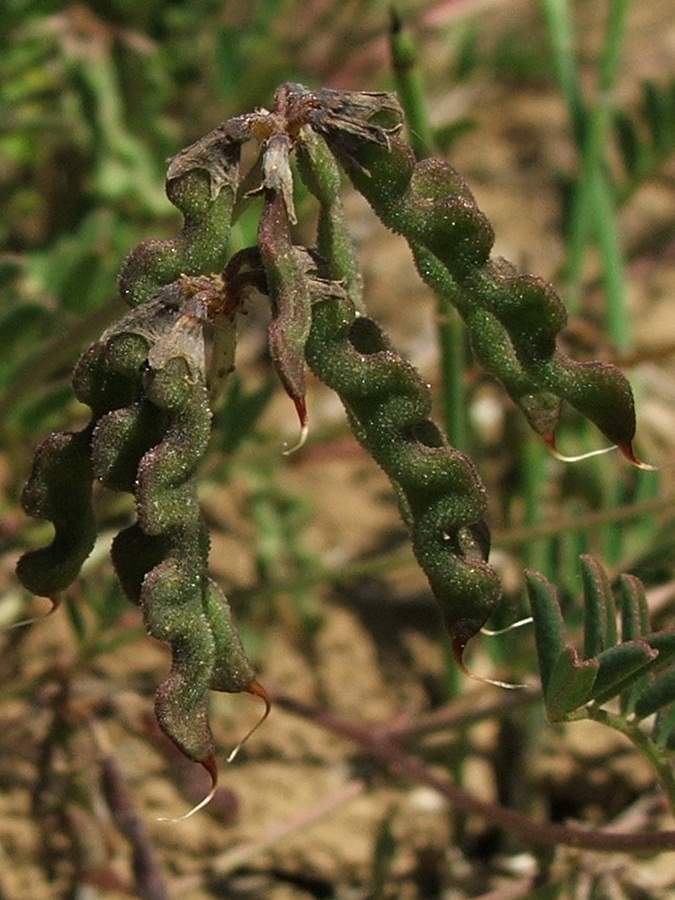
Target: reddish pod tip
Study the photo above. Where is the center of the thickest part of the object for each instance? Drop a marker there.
(257, 690)
(627, 451)
(301, 409)
(211, 767)
(458, 648)
(548, 438)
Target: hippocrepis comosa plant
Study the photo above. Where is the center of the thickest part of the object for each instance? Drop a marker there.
(153, 376)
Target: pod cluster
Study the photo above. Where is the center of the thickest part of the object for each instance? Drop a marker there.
(145, 381)
(150, 387)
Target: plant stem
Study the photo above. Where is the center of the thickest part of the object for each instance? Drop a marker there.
(662, 768)
(561, 34)
(449, 326)
(379, 744)
(409, 87)
(594, 210)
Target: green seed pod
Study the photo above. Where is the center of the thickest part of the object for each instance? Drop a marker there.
(202, 183)
(120, 440)
(166, 494)
(232, 672)
(493, 347)
(145, 382)
(59, 489)
(162, 560)
(290, 300)
(171, 598)
(430, 205)
(443, 500)
(60, 485)
(135, 553)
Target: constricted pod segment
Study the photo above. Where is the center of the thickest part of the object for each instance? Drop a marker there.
(429, 203)
(442, 498)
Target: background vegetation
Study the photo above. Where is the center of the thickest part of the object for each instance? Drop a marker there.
(561, 117)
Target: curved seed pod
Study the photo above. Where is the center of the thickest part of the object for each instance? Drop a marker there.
(430, 205)
(162, 561)
(202, 183)
(492, 346)
(443, 500)
(290, 299)
(166, 491)
(60, 485)
(108, 375)
(59, 489)
(232, 671)
(134, 554)
(120, 440)
(171, 598)
(145, 381)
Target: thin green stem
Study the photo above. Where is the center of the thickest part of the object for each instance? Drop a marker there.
(594, 210)
(450, 328)
(410, 88)
(609, 243)
(662, 767)
(561, 35)
(533, 477)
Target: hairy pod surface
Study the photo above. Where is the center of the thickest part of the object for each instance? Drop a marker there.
(162, 560)
(202, 183)
(321, 176)
(442, 498)
(289, 296)
(59, 490)
(431, 206)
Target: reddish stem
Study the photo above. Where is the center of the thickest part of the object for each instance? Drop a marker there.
(379, 743)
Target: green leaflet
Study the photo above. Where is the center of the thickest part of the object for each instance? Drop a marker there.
(549, 628)
(600, 612)
(570, 685)
(610, 667)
